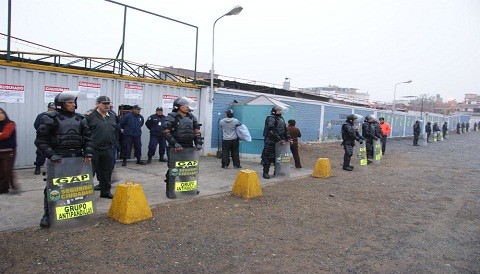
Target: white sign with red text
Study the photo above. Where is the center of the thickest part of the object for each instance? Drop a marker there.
(51, 92)
(133, 91)
(92, 90)
(12, 93)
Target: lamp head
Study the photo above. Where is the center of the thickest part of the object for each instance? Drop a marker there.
(236, 10)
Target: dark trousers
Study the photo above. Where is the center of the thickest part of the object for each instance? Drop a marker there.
(7, 160)
(268, 156)
(384, 144)
(127, 146)
(428, 136)
(102, 167)
(369, 147)
(40, 159)
(347, 155)
(114, 156)
(152, 146)
(230, 147)
(296, 157)
(415, 139)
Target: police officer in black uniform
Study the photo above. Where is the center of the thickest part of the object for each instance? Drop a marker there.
(368, 133)
(275, 130)
(155, 123)
(445, 129)
(40, 159)
(416, 133)
(428, 130)
(103, 126)
(349, 135)
(63, 133)
(181, 130)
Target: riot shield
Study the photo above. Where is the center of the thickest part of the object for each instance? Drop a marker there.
(440, 136)
(183, 172)
(282, 160)
(70, 193)
(377, 151)
(423, 142)
(360, 151)
(435, 136)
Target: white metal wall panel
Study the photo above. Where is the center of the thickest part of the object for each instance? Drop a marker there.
(24, 114)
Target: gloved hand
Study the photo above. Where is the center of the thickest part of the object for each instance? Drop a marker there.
(56, 158)
(178, 147)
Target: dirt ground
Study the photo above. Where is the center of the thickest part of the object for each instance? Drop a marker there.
(416, 212)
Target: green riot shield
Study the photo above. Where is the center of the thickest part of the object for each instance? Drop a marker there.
(435, 136)
(360, 151)
(377, 151)
(183, 172)
(440, 136)
(70, 193)
(282, 160)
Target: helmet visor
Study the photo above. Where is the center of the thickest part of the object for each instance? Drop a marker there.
(71, 95)
(281, 109)
(185, 101)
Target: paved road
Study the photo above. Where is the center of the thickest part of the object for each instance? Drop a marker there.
(25, 209)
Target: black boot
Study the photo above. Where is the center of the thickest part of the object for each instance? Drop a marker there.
(162, 159)
(149, 161)
(124, 163)
(37, 170)
(140, 162)
(45, 221)
(266, 169)
(346, 163)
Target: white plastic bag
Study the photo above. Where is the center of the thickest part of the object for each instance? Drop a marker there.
(243, 133)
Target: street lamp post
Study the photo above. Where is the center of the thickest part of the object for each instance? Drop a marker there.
(234, 11)
(395, 93)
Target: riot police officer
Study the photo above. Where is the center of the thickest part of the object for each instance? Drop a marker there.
(40, 159)
(349, 135)
(181, 130)
(428, 130)
(416, 133)
(63, 133)
(275, 130)
(369, 134)
(445, 129)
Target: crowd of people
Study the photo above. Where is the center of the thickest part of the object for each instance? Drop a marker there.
(96, 137)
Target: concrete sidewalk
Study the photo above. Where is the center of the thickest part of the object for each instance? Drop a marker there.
(25, 209)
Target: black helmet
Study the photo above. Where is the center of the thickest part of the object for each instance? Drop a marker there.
(183, 101)
(351, 117)
(276, 108)
(66, 96)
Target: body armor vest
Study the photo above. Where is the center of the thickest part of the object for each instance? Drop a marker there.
(68, 134)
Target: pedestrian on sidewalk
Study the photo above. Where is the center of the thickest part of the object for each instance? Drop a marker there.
(294, 134)
(385, 131)
(155, 123)
(8, 150)
(40, 159)
(230, 140)
(131, 125)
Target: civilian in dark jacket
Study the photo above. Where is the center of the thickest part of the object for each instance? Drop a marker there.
(131, 125)
(155, 124)
(294, 134)
(103, 127)
(40, 160)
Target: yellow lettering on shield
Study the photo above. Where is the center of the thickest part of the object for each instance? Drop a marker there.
(186, 163)
(71, 179)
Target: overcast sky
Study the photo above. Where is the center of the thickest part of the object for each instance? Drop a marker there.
(369, 45)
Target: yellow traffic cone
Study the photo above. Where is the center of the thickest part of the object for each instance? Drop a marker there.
(129, 204)
(247, 184)
(322, 169)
